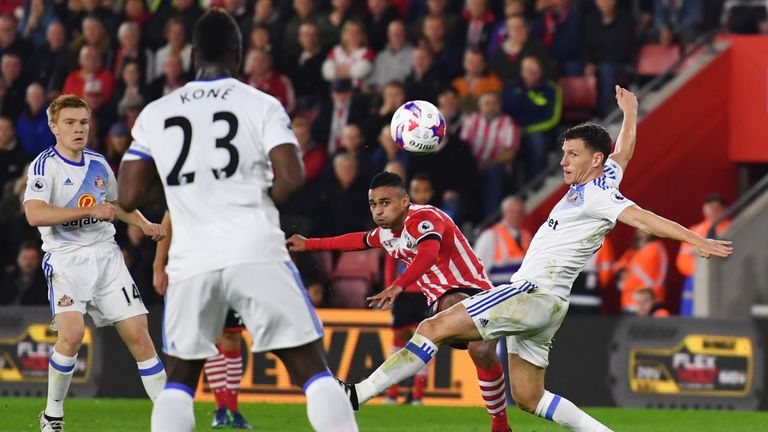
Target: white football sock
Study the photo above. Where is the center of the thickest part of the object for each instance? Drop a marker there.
(328, 408)
(174, 409)
(152, 376)
(563, 412)
(399, 366)
(60, 370)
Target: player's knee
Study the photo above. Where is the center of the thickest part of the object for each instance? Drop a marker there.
(483, 354)
(430, 328)
(70, 339)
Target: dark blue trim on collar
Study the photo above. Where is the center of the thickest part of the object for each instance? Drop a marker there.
(81, 163)
(211, 79)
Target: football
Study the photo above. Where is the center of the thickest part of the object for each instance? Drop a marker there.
(418, 127)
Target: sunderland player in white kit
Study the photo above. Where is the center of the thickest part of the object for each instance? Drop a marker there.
(225, 152)
(70, 197)
(530, 309)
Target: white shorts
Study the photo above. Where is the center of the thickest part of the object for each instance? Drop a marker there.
(527, 316)
(270, 298)
(93, 279)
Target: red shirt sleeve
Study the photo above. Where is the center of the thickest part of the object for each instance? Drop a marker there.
(373, 239)
(426, 256)
(348, 242)
(426, 224)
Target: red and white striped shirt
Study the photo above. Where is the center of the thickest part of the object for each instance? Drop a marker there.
(277, 85)
(457, 265)
(489, 137)
(359, 61)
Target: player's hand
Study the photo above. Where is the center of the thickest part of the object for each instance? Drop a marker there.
(105, 212)
(626, 99)
(384, 299)
(159, 278)
(154, 231)
(296, 243)
(711, 247)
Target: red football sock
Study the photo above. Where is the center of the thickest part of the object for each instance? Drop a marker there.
(216, 372)
(234, 361)
(493, 389)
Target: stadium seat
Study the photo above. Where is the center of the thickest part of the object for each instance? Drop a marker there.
(349, 294)
(324, 261)
(579, 97)
(656, 59)
(353, 278)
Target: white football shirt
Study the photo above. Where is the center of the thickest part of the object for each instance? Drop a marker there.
(64, 183)
(210, 142)
(574, 232)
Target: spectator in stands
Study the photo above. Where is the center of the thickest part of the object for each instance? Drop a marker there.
(128, 36)
(536, 104)
(506, 62)
(452, 22)
(135, 11)
(642, 266)
(118, 139)
(502, 247)
(647, 306)
(712, 209)
(129, 84)
(15, 84)
(499, 33)
(476, 79)
(559, 29)
(177, 43)
(49, 62)
(677, 20)
(343, 201)
(421, 190)
(38, 15)
(447, 57)
(32, 125)
(9, 40)
(479, 20)
(24, 283)
(353, 143)
(448, 103)
(351, 59)
(91, 82)
(263, 77)
(260, 40)
(607, 50)
(172, 78)
(313, 155)
(388, 151)
(392, 97)
(344, 108)
(423, 83)
(393, 63)
(377, 22)
(305, 70)
(594, 281)
(265, 15)
(337, 17)
(305, 13)
(94, 35)
(494, 140)
(187, 11)
(12, 157)
(78, 12)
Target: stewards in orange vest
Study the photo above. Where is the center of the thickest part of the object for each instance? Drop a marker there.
(645, 266)
(713, 208)
(502, 247)
(587, 291)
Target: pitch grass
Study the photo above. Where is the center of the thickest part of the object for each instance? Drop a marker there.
(132, 415)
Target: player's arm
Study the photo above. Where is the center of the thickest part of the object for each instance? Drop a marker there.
(40, 213)
(662, 227)
(355, 241)
(155, 231)
(427, 252)
(138, 184)
(159, 276)
(625, 144)
(289, 172)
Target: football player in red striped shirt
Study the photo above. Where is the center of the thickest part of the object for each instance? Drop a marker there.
(440, 262)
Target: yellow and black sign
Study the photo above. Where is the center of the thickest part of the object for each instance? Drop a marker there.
(356, 342)
(701, 365)
(24, 358)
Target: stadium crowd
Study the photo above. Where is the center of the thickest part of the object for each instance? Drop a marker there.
(340, 68)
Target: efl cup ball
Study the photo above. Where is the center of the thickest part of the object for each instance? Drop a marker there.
(418, 127)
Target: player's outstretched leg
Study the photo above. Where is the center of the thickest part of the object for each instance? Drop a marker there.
(61, 366)
(453, 323)
(490, 377)
(328, 408)
(527, 382)
(135, 333)
(174, 408)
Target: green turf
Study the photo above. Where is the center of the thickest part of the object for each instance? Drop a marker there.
(117, 415)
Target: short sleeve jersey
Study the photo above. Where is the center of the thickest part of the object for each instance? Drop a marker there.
(60, 182)
(573, 232)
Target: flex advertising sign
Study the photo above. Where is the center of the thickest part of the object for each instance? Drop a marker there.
(356, 342)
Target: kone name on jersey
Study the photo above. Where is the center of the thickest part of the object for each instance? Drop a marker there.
(198, 94)
(79, 223)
